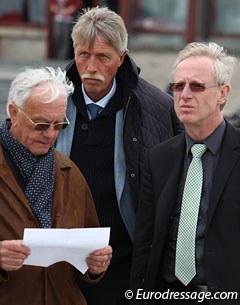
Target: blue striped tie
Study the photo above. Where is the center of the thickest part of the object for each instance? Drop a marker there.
(94, 110)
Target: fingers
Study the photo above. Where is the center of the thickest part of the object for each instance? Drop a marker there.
(104, 251)
(95, 267)
(12, 254)
(99, 260)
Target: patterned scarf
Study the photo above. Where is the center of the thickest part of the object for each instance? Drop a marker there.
(38, 174)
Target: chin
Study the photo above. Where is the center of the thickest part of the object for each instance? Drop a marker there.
(39, 152)
(187, 119)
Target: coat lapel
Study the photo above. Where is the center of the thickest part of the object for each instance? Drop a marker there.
(168, 196)
(230, 154)
(8, 178)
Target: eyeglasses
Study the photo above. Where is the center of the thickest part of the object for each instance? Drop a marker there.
(194, 86)
(46, 126)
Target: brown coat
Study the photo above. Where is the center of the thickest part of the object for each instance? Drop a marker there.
(72, 207)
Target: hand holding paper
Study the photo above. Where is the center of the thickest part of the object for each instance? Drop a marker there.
(49, 246)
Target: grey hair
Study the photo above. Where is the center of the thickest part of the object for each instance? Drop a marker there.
(100, 22)
(25, 81)
(224, 64)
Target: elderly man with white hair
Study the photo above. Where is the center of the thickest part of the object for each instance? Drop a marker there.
(41, 188)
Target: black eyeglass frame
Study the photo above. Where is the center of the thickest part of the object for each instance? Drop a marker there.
(194, 86)
(42, 126)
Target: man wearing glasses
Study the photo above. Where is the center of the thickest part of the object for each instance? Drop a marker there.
(189, 208)
(41, 188)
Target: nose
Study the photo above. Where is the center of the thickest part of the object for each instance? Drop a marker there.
(92, 65)
(50, 132)
(186, 93)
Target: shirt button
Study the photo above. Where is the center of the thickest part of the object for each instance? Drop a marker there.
(132, 175)
(84, 126)
(134, 139)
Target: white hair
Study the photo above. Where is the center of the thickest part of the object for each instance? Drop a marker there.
(25, 81)
(224, 64)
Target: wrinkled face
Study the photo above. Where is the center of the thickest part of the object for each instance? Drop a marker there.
(39, 111)
(97, 67)
(198, 108)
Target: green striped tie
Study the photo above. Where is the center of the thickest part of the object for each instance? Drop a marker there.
(185, 268)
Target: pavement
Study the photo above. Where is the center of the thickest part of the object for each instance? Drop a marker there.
(155, 67)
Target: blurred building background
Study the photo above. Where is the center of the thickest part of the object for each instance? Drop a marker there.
(25, 25)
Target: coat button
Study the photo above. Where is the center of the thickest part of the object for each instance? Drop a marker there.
(84, 126)
(134, 139)
(132, 175)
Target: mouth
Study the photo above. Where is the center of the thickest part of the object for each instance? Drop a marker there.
(186, 109)
(91, 80)
(186, 106)
(43, 143)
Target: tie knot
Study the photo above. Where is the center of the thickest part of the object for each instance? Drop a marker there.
(198, 150)
(94, 110)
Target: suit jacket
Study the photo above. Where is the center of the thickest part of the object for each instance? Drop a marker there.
(158, 197)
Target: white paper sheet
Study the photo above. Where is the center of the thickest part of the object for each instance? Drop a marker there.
(49, 246)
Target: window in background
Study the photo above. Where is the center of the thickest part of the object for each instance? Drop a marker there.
(160, 15)
(32, 12)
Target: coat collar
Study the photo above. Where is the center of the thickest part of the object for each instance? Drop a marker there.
(62, 162)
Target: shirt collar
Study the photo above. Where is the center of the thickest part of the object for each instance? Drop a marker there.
(213, 142)
(103, 102)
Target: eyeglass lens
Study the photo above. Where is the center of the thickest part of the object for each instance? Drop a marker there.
(45, 126)
(194, 87)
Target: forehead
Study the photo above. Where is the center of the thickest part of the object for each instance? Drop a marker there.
(195, 67)
(98, 45)
(40, 100)
(43, 91)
